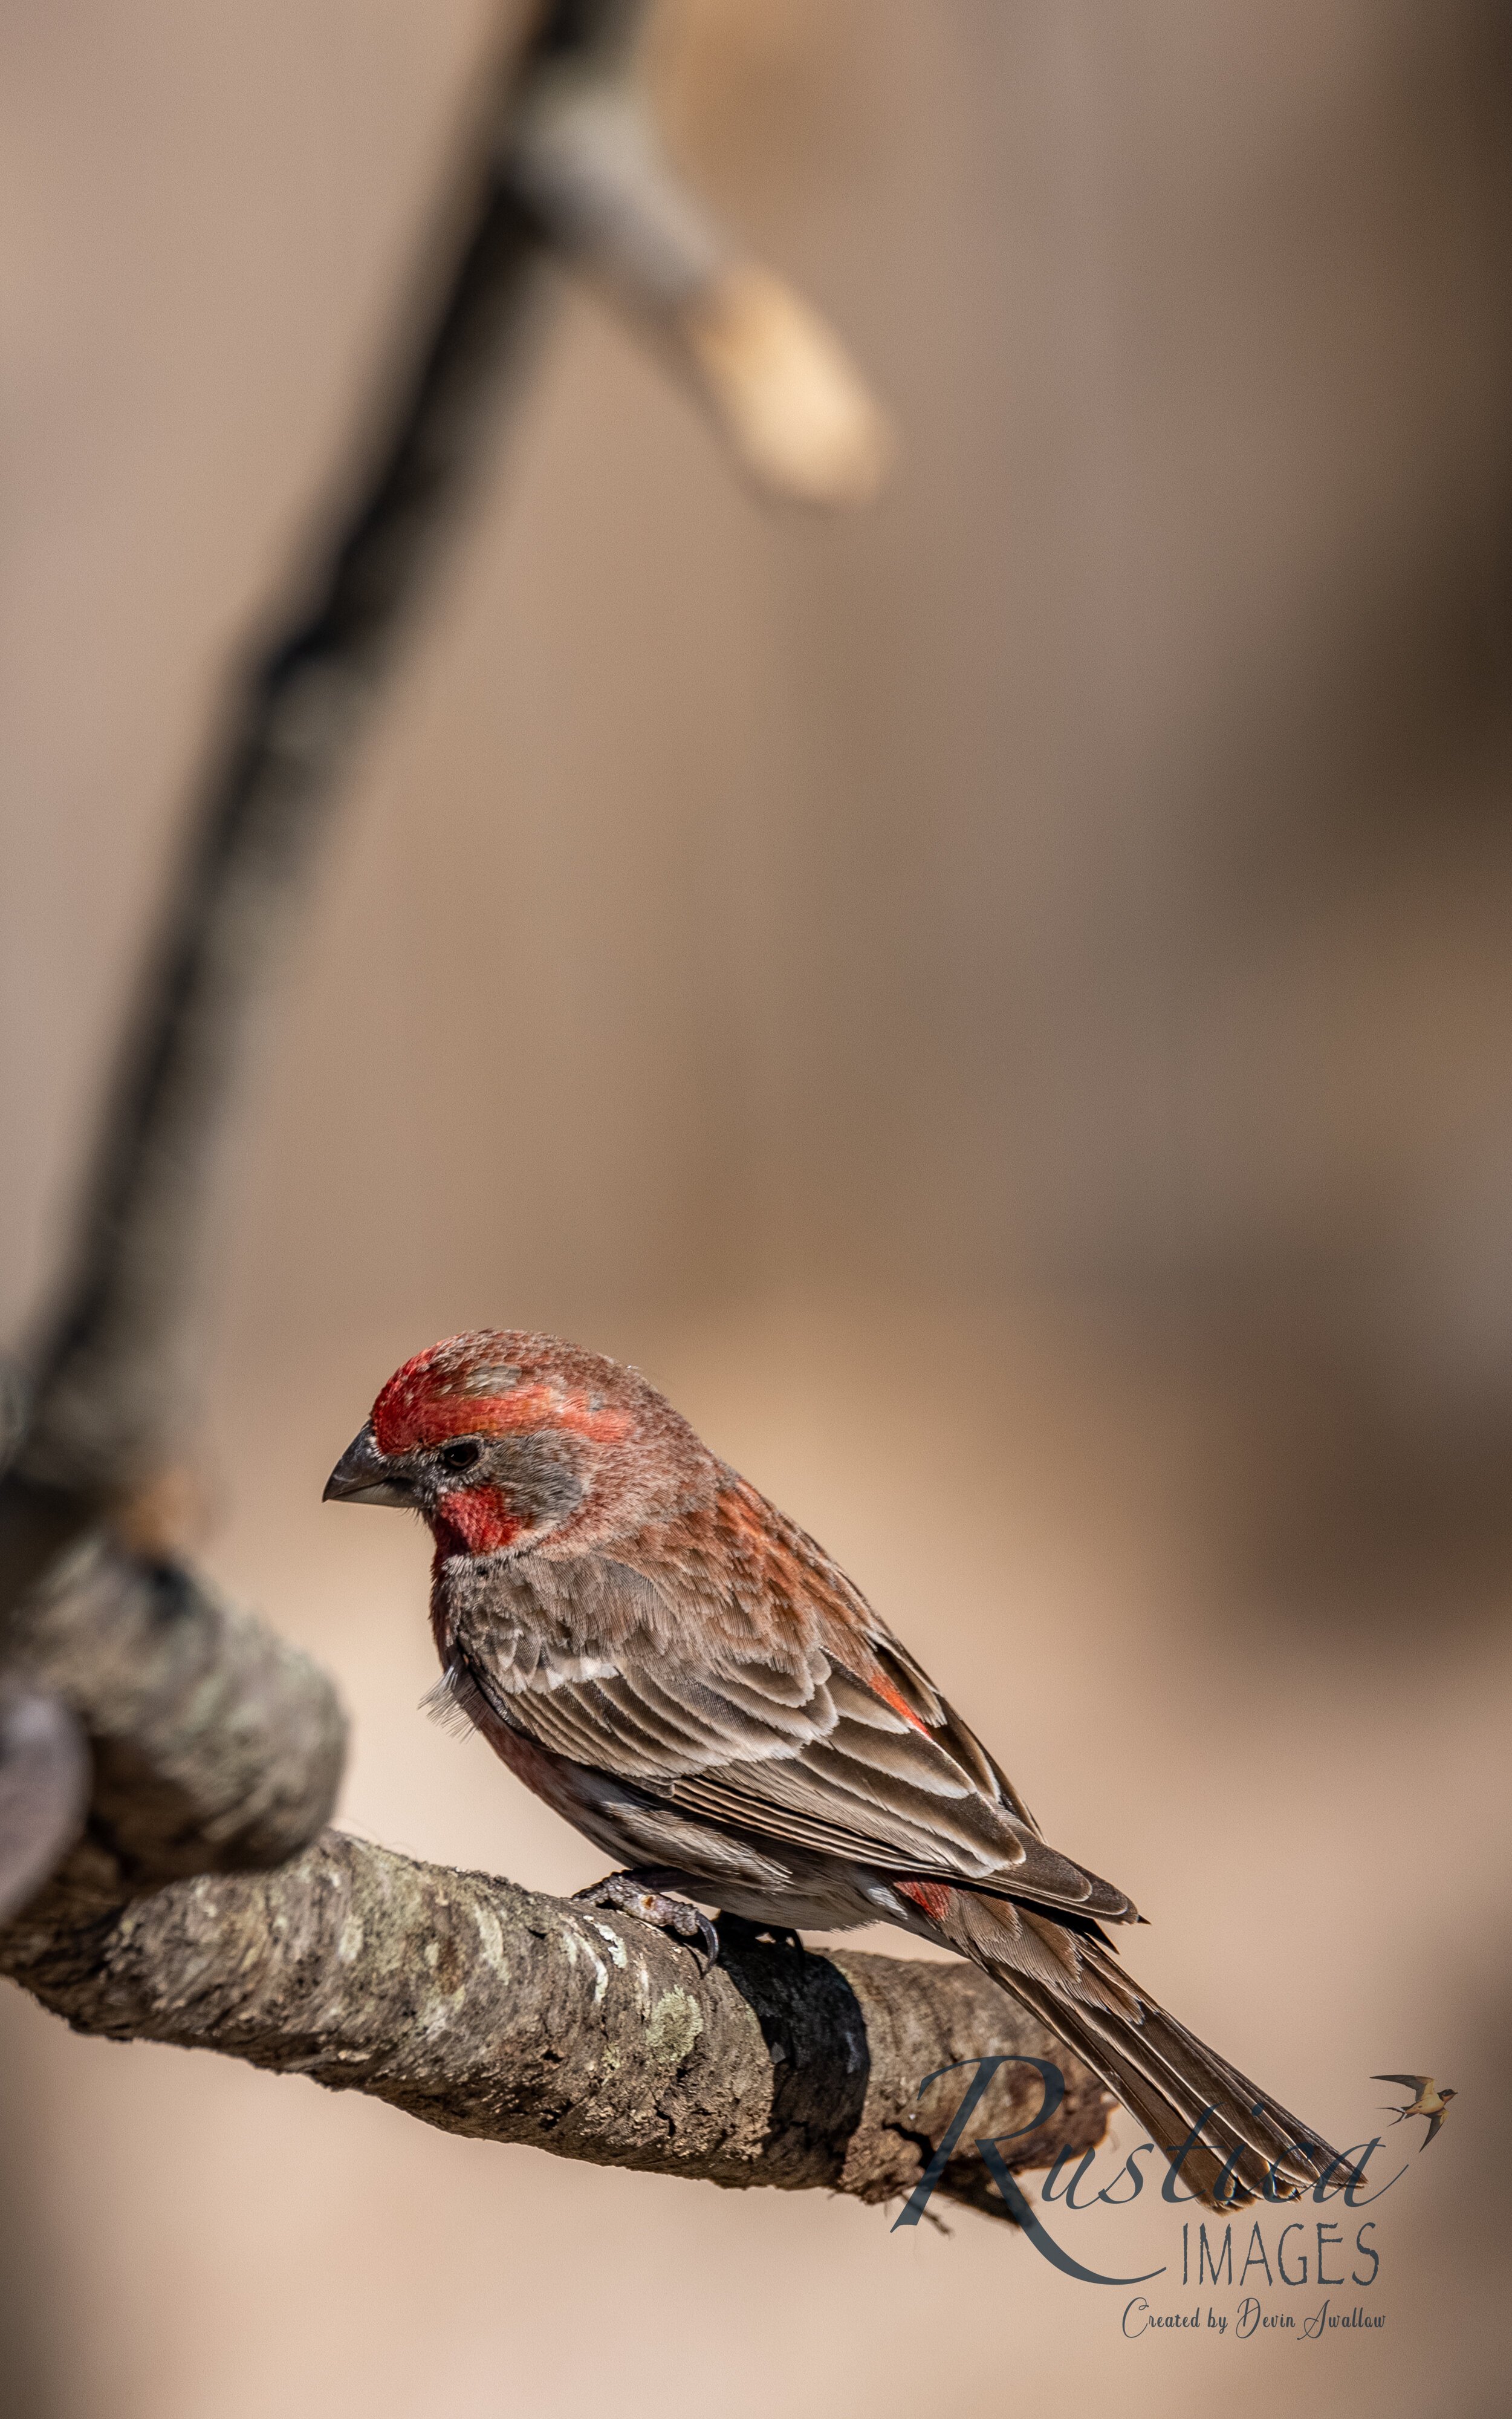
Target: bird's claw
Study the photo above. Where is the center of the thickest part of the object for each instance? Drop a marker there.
(628, 1894)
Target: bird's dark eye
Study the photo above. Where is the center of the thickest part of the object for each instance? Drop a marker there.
(461, 1456)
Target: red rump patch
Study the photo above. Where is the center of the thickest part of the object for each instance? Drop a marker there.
(422, 1404)
(933, 1897)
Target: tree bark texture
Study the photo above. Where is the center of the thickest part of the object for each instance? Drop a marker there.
(488, 2011)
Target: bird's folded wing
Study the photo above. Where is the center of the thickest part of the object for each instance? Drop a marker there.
(807, 1751)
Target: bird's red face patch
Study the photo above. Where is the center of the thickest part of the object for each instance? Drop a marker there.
(422, 1404)
(478, 1517)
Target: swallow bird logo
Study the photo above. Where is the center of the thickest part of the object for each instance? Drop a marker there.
(1427, 2099)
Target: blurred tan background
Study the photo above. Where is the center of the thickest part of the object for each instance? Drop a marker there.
(1003, 1008)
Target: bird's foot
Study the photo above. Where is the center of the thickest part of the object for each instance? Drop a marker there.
(631, 1893)
(738, 1931)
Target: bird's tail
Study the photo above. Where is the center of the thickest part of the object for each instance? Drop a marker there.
(1238, 2141)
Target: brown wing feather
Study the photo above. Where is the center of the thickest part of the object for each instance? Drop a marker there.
(812, 1724)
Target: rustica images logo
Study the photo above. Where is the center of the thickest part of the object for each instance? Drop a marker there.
(1229, 2275)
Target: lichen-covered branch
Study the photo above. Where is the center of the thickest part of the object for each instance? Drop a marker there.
(485, 2010)
(490, 2011)
(217, 1747)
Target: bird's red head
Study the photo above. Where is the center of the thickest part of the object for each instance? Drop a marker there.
(509, 1441)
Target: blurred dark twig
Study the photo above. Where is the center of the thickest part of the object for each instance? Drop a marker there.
(570, 166)
(113, 1381)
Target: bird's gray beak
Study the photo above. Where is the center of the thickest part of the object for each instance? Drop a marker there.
(361, 1476)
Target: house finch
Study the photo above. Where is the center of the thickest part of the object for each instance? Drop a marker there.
(673, 1665)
